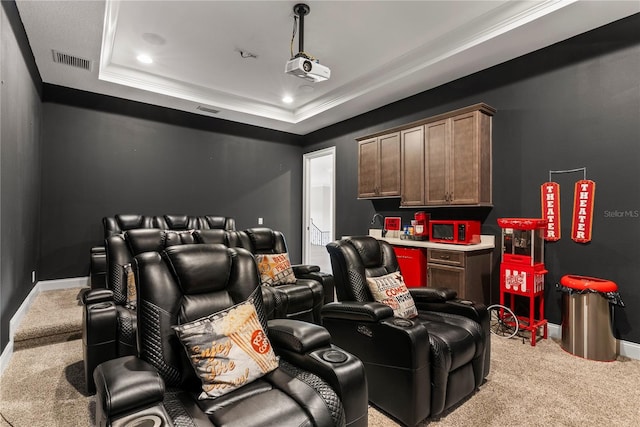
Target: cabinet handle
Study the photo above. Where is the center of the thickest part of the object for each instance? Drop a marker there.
(445, 257)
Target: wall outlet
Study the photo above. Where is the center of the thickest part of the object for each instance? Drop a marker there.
(260, 221)
(33, 276)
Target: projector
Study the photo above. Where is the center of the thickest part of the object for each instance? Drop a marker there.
(307, 69)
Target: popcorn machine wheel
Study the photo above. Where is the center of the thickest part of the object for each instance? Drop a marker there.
(522, 271)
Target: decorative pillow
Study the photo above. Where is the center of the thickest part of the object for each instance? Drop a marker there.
(275, 269)
(392, 291)
(227, 349)
(132, 293)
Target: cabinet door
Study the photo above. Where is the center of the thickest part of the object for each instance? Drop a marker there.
(440, 276)
(389, 160)
(412, 166)
(436, 137)
(464, 161)
(367, 168)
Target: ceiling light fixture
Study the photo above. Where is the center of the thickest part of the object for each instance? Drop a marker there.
(144, 58)
(302, 64)
(287, 99)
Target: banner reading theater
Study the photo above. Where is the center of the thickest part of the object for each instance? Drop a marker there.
(550, 202)
(583, 211)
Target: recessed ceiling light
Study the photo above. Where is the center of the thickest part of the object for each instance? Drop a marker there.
(287, 99)
(144, 58)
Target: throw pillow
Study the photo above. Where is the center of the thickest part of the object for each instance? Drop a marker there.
(227, 349)
(275, 269)
(391, 290)
(132, 293)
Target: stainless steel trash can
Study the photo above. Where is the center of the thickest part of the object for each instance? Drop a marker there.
(586, 322)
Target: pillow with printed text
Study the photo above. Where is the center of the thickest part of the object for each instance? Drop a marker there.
(275, 269)
(391, 290)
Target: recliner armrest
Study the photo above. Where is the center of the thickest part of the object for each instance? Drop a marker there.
(432, 294)
(94, 296)
(313, 272)
(298, 336)
(124, 385)
(470, 309)
(357, 311)
(308, 346)
(299, 269)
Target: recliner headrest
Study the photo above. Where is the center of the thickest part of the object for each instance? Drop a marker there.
(369, 250)
(214, 222)
(145, 240)
(129, 221)
(177, 222)
(200, 268)
(262, 239)
(211, 236)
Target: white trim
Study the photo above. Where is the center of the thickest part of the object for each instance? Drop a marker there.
(14, 323)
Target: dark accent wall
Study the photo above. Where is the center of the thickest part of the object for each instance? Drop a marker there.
(20, 120)
(105, 156)
(571, 105)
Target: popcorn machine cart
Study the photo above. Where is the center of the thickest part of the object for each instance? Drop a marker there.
(522, 270)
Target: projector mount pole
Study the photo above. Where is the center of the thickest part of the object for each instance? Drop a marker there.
(301, 10)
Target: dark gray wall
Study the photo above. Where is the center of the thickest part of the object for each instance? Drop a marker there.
(575, 104)
(155, 161)
(20, 118)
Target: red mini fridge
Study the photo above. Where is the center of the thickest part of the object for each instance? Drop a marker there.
(413, 266)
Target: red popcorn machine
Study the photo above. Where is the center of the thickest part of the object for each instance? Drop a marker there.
(522, 270)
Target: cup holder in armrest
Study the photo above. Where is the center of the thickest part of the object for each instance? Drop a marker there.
(333, 356)
(101, 306)
(402, 322)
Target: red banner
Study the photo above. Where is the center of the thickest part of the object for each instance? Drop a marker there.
(550, 202)
(583, 210)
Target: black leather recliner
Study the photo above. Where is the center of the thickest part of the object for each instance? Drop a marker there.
(112, 225)
(109, 323)
(120, 223)
(416, 368)
(312, 289)
(316, 383)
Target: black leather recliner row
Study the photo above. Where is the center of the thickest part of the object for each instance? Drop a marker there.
(109, 320)
(120, 223)
(315, 382)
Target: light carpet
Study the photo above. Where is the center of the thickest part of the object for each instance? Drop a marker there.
(527, 386)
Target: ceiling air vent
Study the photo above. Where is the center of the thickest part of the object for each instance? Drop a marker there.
(70, 60)
(206, 109)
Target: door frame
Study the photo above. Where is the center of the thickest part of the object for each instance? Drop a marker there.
(306, 201)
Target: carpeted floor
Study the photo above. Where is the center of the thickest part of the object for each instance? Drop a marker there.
(527, 386)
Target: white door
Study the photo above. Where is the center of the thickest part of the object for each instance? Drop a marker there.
(318, 222)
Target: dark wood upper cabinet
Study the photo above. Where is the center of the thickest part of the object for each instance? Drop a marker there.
(439, 161)
(412, 166)
(379, 166)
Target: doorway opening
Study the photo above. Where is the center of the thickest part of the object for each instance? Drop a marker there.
(318, 222)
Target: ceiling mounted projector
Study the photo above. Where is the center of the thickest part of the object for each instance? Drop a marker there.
(302, 64)
(307, 69)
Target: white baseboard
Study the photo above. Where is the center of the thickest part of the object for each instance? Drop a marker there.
(44, 285)
(626, 348)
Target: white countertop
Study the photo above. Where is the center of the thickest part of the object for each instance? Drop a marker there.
(486, 242)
